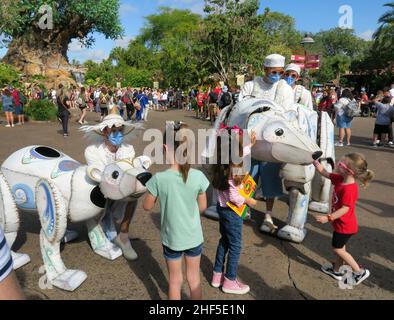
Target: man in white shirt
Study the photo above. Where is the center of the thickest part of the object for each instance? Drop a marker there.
(301, 95)
(270, 87)
(392, 94)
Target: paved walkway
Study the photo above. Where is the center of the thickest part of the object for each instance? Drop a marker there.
(273, 268)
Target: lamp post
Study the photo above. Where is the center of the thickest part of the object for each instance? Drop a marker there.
(308, 40)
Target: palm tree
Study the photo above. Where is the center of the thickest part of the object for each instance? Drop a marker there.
(384, 36)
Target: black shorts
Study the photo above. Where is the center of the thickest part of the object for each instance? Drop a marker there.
(339, 240)
(381, 129)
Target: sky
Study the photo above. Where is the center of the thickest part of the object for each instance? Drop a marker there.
(310, 15)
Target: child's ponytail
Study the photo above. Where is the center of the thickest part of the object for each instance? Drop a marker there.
(360, 168)
(366, 178)
(176, 127)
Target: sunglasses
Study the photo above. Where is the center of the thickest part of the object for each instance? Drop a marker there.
(345, 167)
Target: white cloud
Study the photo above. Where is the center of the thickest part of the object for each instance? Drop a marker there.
(77, 51)
(126, 8)
(367, 35)
(124, 42)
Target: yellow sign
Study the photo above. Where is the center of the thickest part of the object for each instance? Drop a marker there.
(247, 190)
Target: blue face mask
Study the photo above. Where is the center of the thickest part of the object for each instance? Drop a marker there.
(274, 78)
(290, 81)
(116, 138)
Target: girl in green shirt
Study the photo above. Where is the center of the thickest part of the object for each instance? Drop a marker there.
(182, 195)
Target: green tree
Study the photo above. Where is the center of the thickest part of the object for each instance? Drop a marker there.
(384, 36)
(34, 48)
(170, 37)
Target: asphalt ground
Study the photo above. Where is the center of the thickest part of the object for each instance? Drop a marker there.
(273, 268)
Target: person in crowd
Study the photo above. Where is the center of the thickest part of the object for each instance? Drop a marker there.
(350, 168)
(270, 87)
(326, 104)
(9, 285)
(344, 123)
(8, 104)
(164, 101)
(225, 98)
(383, 128)
(364, 103)
(53, 95)
(145, 111)
(63, 105)
(200, 104)
(181, 192)
(104, 102)
(301, 95)
(128, 101)
(155, 100)
(213, 99)
(227, 180)
(82, 103)
(17, 105)
(97, 94)
(142, 101)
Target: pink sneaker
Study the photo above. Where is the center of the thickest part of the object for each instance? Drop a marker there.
(217, 279)
(234, 287)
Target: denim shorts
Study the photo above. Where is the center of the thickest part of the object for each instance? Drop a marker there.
(8, 108)
(344, 122)
(176, 255)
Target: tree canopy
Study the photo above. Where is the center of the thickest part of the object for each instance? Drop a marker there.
(72, 19)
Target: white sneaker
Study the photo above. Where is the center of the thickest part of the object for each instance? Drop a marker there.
(391, 143)
(8, 126)
(339, 144)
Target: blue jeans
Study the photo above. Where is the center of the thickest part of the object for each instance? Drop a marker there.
(269, 173)
(230, 243)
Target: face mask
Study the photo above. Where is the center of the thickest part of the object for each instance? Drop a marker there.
(290, 81)
(274, 78)
(116, 138)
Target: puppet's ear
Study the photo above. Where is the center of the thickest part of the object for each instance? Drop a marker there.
(142, 162)
(95, 172)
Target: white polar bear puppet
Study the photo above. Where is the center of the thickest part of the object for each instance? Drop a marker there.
(44, 180)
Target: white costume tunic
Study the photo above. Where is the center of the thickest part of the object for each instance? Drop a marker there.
(99, 154)
(280, 92)
(303, 96)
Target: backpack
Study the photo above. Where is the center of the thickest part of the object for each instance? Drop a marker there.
(213, 97)
(226, 100)
(22, 98)
(352, 110)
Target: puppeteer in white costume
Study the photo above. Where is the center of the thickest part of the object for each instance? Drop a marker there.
(110, 147)
(289, 135)
(302, 95)
(271, 87)
(43, 180)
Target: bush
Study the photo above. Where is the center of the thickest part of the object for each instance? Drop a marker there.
(41, 110)
(8, 75)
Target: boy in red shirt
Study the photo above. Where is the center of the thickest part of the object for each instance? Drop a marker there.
(352, 167)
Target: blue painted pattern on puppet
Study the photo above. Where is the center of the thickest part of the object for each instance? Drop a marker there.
(24, 197)
(49, 210)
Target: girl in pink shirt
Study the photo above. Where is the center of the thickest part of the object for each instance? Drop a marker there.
(227, 179)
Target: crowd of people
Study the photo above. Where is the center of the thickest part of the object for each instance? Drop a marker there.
(336, 101)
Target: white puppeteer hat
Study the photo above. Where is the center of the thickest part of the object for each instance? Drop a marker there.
(275, 61)
(112, 120)
(294, 67)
